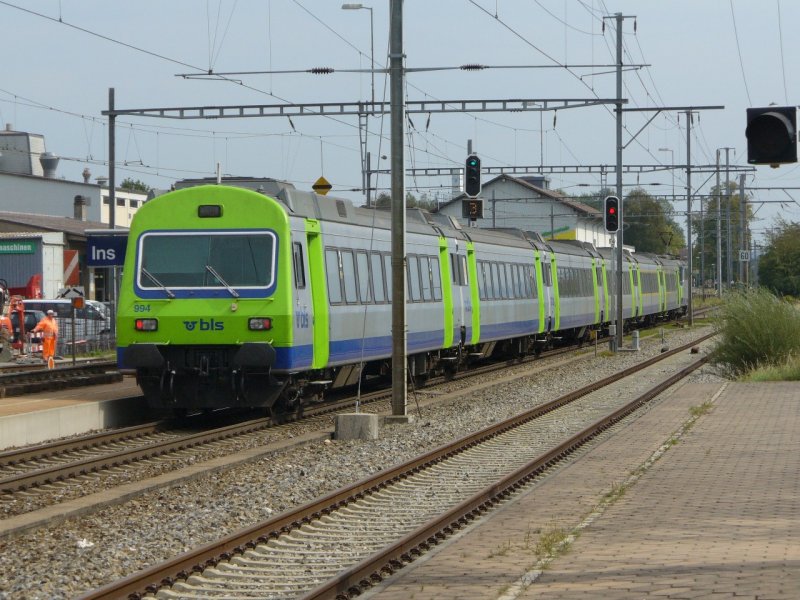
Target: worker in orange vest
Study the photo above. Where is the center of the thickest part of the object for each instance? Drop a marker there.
(49, 328)
(6, 330)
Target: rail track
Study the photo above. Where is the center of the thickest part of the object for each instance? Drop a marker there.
(37, 469)
(18, 380)
(352, 538)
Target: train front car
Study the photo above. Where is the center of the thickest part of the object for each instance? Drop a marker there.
(203, 304)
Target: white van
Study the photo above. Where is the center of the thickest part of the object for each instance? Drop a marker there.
(92, 322)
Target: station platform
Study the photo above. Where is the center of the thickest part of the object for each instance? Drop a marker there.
(681, 504)
(35, 418)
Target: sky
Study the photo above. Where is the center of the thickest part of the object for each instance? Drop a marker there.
(60, 57)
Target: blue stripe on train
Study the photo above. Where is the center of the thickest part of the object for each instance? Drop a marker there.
(350, 351)
(577, 320)
(499, 331)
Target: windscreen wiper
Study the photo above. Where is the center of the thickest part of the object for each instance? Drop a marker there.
(155, 280)
(232, 291)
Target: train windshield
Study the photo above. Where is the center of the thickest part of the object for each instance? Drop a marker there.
(207, 260)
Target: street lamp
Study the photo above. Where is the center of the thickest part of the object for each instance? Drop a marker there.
(672, 162)
(358, 6)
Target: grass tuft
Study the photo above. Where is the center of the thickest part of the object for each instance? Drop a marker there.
(551, 542)
(757, 330)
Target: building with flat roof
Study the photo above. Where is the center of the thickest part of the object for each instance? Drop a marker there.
(52, 214)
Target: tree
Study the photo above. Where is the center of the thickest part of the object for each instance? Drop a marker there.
(135, 185)
(649, 225)
(779, 265)
(704, 231)
(384, 201)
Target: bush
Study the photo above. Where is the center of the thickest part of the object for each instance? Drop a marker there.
(756, 329)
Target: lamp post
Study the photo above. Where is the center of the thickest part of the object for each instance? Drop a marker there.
(358, 6)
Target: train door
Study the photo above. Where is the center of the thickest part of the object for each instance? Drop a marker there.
(302, 306)
(318, 298)
(599, 290)
(548, 292)
(461, 301)
(473, 308)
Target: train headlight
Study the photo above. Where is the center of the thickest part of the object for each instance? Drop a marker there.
(259, 324)
(146, 324)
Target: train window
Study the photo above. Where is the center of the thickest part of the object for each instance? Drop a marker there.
(505, 288)
(495, 287)
(455, 269)
(349, 277)
(364, 288)
(518, 282)
(425, 278)
(532, 281)
(207, 260)
(299, 268)
(482, 280)
(334, 280)
(387, 268)
(436, 277)
(377, 278)
(413, 278)
(462, 261)
(546, 275)
(513, 281)
(525, 280)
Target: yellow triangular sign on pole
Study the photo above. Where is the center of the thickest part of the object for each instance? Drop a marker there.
(322, 186)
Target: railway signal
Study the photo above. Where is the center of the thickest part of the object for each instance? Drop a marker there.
(611, 213)
(771, 135)
(472, 176)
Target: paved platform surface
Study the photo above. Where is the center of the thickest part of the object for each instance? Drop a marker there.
(701, 507)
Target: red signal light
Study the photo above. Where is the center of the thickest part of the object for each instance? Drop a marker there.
(611, 217)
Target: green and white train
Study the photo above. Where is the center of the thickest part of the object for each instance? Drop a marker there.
(231, 297)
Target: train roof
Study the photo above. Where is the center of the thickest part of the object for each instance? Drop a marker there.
(329, 208)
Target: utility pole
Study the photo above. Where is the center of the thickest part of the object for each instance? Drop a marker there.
(112, 203)
(702, 250)
(619, 321)
(729, 241)
(399, 334)
(742, 237)
(689, 114)
(719, 234)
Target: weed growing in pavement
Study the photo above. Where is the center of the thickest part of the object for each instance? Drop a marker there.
(552, 542)
(617, 491)
(699, 411)
(502, 550)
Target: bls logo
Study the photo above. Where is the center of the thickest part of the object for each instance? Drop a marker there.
(211, 325)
